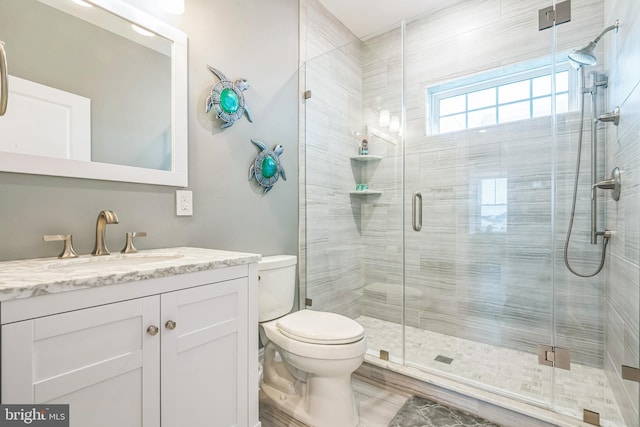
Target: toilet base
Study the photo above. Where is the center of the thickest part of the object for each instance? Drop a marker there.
(322, 402)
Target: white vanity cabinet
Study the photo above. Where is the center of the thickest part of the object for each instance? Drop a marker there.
(176, 351)
(203, 363)
(98, 360)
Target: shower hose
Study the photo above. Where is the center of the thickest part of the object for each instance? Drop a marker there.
(605, 240)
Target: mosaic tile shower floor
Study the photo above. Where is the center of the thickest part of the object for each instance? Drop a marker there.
(500, 369)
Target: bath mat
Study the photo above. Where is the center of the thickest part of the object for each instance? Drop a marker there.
(420, 412)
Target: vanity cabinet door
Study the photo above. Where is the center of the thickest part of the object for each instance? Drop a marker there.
(100, 360)
(204, 356)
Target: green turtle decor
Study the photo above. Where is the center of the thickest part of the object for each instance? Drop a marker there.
(227, 99)
(267, 168)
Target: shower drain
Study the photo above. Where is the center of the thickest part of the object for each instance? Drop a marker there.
(443, 359)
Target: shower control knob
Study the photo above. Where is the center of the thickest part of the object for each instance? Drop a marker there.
(171, 325)
(153, 330)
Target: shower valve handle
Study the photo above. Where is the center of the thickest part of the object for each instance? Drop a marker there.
(607, 184)
(613, 117)
(612, 183)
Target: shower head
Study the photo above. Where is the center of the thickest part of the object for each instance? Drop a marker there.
(585, 56)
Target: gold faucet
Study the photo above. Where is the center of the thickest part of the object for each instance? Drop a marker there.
(104, 218)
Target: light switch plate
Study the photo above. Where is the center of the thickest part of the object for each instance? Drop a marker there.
(184, 203)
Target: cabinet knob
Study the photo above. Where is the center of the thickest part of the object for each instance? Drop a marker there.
(171, 325)
(153, 330)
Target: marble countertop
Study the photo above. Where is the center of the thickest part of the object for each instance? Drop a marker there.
(41, 276)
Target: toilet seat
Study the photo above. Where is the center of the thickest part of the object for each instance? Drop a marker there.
(318, 327)
(311, 350)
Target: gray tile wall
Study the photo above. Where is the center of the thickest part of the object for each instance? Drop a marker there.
(622, 318)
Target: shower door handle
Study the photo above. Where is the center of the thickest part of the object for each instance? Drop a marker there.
(416, 211)
(4, 85)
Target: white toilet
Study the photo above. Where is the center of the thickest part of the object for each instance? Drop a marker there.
(309, 355)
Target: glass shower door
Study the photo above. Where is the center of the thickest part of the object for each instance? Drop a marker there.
(353, 209)
(480, 150)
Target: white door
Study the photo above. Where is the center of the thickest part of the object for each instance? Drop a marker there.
(204, 358)
(101, 361)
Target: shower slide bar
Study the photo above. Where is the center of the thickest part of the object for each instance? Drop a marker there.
(593, 87)
(614, 183)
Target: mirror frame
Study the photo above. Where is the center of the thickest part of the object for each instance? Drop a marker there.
(178, 175)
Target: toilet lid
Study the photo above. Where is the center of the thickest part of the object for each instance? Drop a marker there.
(318, 327)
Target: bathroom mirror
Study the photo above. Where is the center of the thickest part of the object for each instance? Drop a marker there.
(97, 89)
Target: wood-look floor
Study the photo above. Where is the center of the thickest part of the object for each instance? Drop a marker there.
(377, 407)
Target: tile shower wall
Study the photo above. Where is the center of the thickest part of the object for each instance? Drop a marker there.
(623, 150)
(346, 235)
(498, 288)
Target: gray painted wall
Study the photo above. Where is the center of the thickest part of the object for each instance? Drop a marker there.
(252, 39)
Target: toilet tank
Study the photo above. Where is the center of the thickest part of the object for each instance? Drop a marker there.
(276, 286)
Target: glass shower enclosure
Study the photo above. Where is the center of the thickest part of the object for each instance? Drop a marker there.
(446, 239)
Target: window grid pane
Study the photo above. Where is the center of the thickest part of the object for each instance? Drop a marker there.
(488, 191)
(541, 106)
(503, 103)
(455, 104)
(452, 123)
(514, 91)
(562, 103)
(482, 98)
(562, 82)
(484, 117)
(542, 85)
(516, 111)
(493, 205)
(501, 191)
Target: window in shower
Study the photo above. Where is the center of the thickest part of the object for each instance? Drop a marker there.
(493, 206)
(489, 100)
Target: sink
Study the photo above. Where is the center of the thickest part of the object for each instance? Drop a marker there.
(112, 261)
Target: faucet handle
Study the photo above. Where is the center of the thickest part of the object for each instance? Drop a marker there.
(67, 251)
(128, 246)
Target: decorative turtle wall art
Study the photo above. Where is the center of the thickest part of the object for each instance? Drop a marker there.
(227, 99)
(267, 168)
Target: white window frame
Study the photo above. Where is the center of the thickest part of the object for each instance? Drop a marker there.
(493, 79)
